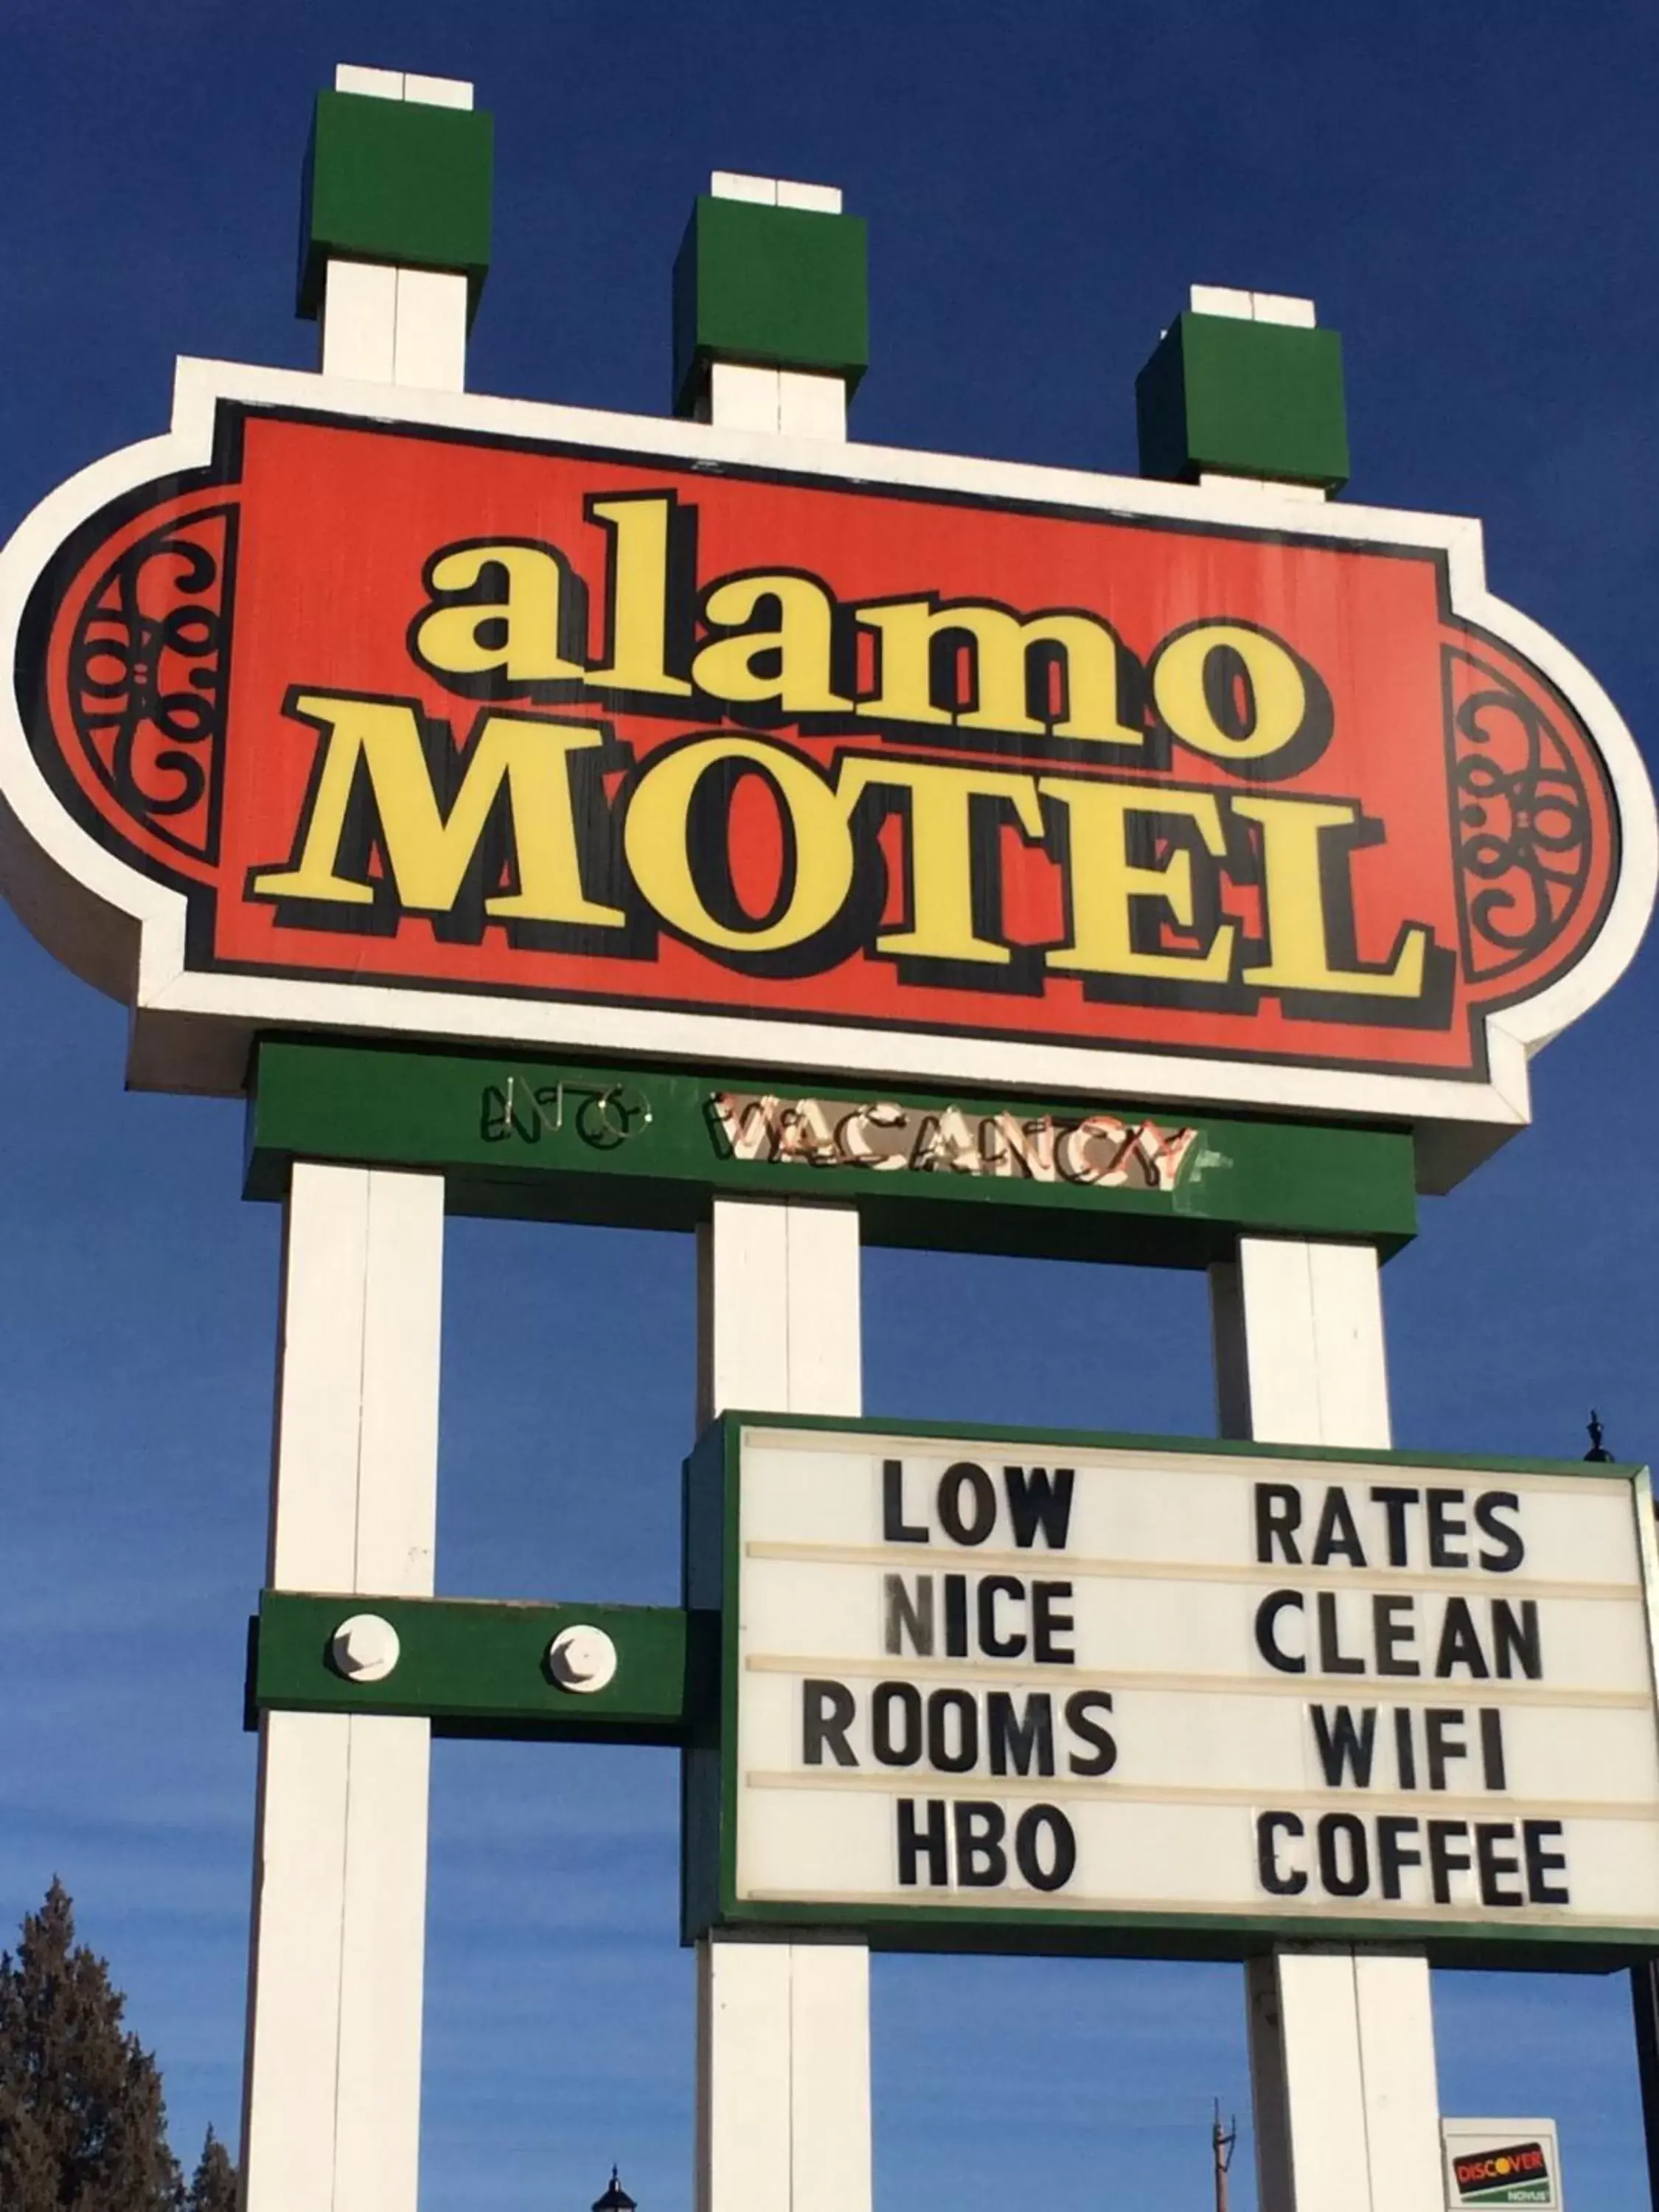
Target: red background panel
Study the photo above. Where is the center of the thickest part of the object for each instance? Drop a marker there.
(337, 521)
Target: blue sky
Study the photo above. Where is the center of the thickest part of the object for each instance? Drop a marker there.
(1470, 194)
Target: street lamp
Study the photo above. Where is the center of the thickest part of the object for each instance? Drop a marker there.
(615, 2197)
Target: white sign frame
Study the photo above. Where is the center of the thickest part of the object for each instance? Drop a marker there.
(125, 932)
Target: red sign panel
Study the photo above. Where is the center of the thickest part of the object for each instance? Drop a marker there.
(545, 724)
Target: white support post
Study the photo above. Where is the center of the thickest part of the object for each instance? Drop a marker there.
(778, 1318)
(333, 2078)
(783, 2076)
(783, 2028)
(382, 325)
(1341, 2041)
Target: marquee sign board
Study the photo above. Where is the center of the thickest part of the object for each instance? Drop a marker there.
(1017, 1691)
(510, 723)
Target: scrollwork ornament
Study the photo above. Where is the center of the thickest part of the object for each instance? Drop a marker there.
(1523, 821)
(146, 677)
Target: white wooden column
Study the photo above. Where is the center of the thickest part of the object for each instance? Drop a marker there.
(382, 325)
(331, 2078)
(331, 2083)
(778, 1309)
(1341, 2041)
(783, 2028)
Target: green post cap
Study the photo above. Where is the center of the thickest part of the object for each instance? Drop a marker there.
(778, 287)
(1245, 399)
(395, 180)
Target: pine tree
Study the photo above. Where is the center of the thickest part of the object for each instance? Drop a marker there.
(214, 2189)
(82, 2126)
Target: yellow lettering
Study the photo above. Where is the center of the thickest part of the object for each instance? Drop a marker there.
(639, 528)
(795, 671)
(1105, 885)
(514, 633)
(1239, 695)
(657, 840)
(942, 848)
(429, 852)
(1298, 939)
(1001, 643)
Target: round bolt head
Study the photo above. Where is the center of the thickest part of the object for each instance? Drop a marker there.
(581, 1659)
(365, 1649)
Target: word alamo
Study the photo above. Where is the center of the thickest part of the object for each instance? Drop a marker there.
(1096, 1150)
(782, 859)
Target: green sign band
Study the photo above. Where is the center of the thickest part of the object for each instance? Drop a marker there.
(646, 1147)
(476, 1669)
